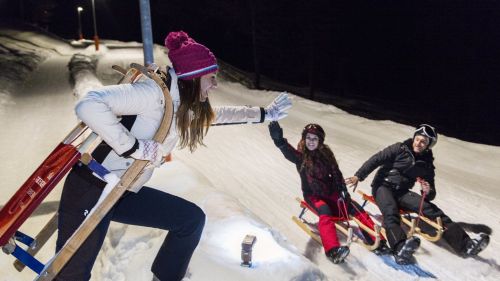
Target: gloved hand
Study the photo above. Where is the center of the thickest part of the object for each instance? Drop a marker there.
(275, 130)
(150, 150)
(278, 108)
(426, 187)
(276, 133)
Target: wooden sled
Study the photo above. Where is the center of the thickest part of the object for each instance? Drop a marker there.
(341, 224)
(410, 219)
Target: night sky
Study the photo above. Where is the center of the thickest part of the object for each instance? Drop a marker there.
(430, 61)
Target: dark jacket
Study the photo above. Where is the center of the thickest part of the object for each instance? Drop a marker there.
(323, 181)
(399, 168)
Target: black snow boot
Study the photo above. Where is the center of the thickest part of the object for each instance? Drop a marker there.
(382, 249)
(404, 253)
(338, 254)
(474, 246)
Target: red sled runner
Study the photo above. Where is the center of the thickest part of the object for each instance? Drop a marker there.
(39, 185)
(34, 190)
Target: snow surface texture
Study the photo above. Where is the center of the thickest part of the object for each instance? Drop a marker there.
(241, 181)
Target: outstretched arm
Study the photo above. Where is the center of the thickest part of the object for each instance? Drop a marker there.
(378, 159)
(288, 151)
(277, 110)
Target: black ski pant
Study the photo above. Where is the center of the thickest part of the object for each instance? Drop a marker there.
(149, 207)
(390, 201)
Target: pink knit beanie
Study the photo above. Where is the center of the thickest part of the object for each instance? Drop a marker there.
(189, 58)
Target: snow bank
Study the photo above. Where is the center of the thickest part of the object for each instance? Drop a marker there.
(129, 251)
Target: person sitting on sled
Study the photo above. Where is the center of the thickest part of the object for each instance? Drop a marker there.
(323, 186)
(401, 165)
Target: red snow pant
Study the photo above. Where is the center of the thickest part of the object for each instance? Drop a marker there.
(327, 208)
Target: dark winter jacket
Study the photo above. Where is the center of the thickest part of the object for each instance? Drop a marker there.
(399, 168)
(324, 180)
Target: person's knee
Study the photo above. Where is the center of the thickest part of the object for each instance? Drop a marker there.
(195, 221)
(199, 217)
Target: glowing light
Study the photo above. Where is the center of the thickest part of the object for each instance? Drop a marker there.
(228, 238)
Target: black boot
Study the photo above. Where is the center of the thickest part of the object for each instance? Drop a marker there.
(382, 249)
(474, 246)
(337, 254)
(405, 251)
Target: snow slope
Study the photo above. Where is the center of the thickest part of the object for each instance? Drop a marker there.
(243, 183)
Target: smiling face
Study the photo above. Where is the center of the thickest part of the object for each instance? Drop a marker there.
(207, 82)
(420, 143)
(312, 141)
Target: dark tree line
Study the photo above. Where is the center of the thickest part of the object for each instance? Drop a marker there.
(414, 61)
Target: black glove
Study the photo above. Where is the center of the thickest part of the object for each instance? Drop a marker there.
(276, 133)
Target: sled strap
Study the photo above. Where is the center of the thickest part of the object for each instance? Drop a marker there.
(421, 206)
(343, 210)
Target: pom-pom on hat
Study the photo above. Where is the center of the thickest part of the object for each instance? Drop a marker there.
(189, 58)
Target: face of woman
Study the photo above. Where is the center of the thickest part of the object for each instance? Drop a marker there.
(420, 143)
(207, 82)
(312, 141)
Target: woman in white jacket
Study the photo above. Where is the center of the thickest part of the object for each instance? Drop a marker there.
(126, 117)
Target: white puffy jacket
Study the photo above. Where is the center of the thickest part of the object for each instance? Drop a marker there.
(101, 110)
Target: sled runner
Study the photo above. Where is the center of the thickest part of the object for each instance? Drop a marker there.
(31, 194)
(415, 222)
(342, 225)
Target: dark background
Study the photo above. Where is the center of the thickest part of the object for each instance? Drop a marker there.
(433, 61)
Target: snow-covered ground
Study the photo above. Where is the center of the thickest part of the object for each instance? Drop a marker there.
(241, 181)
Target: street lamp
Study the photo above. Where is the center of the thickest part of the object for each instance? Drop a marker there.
(80, 34)
(96, 38)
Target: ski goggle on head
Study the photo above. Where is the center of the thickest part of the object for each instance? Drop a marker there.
(314, 129)
(427, 131)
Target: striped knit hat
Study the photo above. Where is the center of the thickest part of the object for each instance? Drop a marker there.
(189, 58)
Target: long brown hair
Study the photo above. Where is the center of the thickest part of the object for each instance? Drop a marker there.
(193, 116)
(322, 154)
